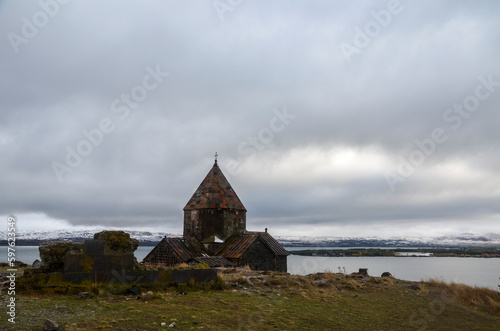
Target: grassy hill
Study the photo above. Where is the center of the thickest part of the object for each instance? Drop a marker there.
(244, 299)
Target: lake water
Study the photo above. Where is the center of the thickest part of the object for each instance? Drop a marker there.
(470, 271)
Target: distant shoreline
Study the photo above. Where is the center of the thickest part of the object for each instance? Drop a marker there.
(343, 247)
(339, 251)
(476, 252)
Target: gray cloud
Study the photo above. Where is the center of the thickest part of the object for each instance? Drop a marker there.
(324, 168)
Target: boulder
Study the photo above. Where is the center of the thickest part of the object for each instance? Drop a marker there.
(49, 325)
(386, 274)
(134, 290)
(36, 264)
(84, 295)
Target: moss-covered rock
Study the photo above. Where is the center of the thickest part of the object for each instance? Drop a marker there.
(117, 242)
(52, 254)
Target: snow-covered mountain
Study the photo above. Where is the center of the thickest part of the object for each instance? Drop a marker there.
(151, 238)
(81, 235)
(466, 239)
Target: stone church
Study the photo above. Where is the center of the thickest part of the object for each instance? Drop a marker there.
(215, 233)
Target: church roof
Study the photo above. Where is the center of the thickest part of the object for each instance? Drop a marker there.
(235, 246)
(185, 248)
(215, 192)
(215, 261)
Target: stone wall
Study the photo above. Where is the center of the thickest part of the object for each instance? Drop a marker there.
(259, 257)
(136, 277)
(53, 254)
(204, 223)
(108, 258)
(281, 264)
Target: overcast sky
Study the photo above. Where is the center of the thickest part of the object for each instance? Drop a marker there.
(333, 118)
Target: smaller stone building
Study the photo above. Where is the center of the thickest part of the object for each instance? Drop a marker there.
(173, 251)
(258, 250)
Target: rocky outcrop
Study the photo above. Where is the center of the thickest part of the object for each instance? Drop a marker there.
(110, 250)
(53, 254)
(117, 242)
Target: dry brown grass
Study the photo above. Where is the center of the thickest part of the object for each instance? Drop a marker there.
(234, 276)
(476, 296)
(382, 281)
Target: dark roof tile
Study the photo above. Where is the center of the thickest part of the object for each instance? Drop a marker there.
(237, 245)
(215, 192)
(185, 248)
(215, 261)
